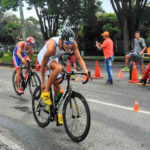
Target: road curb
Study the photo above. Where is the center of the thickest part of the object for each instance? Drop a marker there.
(7, 64)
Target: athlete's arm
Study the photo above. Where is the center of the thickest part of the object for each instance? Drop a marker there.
(31, 51)
(79, 58)
(20, 47)
(51, 49)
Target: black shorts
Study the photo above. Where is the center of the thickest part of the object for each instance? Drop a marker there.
(138, 58)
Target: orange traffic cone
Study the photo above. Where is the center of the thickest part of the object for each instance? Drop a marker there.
(37, 67)
(134, 77)
(84, 77)
(78, 79)
(68, 66)
(120, 74)
(97, 72)
(136, 106)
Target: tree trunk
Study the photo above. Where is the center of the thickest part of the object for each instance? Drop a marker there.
(125, 37)
(22, 19)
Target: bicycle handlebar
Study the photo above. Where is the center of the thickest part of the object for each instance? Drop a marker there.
(75, 73)
(29, 64)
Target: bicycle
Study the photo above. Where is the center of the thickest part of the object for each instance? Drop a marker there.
(73, 113)
(61, 60)
(32, 79)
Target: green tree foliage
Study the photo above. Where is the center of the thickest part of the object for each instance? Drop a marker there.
(9, 4)
(32, 28)
(13, 26)
(9, 29)
(110, 23)
(50, 14)
(55, 14)
(144, 25)
(90, 25)
(129, 13)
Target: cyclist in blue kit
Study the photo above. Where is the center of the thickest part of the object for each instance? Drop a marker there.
(20, 55)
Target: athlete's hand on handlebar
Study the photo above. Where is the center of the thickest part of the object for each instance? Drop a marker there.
(24, 61)
(88, 76)
(86, 72)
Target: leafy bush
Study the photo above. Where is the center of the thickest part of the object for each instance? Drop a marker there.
(1, 53)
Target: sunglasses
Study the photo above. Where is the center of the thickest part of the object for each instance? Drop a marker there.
(68, 42)
(31, 44)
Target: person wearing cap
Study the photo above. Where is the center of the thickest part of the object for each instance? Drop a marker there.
(20, 55)
(138, 50)
(49, 55)
(107, 47)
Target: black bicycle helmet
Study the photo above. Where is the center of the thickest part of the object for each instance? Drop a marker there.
(67, 34)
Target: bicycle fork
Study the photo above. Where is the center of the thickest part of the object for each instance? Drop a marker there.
(75, 110)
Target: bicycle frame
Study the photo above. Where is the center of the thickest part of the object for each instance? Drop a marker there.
(28, 78)
(67, 92)
(25, 82)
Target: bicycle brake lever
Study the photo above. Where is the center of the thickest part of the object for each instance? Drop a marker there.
(89, 76)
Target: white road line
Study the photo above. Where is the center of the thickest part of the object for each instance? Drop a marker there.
(7, 68)
(117, 106)
(11, 144)
(6, 82)
(104, 103)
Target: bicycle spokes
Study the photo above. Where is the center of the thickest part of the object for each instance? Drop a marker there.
(76, 117)
(33, 82)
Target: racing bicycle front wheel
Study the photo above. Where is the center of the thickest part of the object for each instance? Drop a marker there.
(34, 82)
(76, 116)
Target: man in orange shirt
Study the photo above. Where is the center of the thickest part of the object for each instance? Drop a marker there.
(107, 47)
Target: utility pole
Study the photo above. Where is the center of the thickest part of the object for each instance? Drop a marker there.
(22, 19)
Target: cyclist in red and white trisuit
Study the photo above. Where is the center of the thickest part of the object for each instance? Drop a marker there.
(20, 55)
(145, 75)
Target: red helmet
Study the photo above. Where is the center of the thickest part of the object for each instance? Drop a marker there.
(30, 40)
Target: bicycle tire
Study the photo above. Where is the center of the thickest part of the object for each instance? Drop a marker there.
(37, 111)
(15, 83)
(34, 82)
(74, 97)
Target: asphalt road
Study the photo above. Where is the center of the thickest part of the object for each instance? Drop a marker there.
(114, 124)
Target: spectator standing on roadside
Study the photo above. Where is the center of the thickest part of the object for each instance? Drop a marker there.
(107, 47)
(137, 52)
